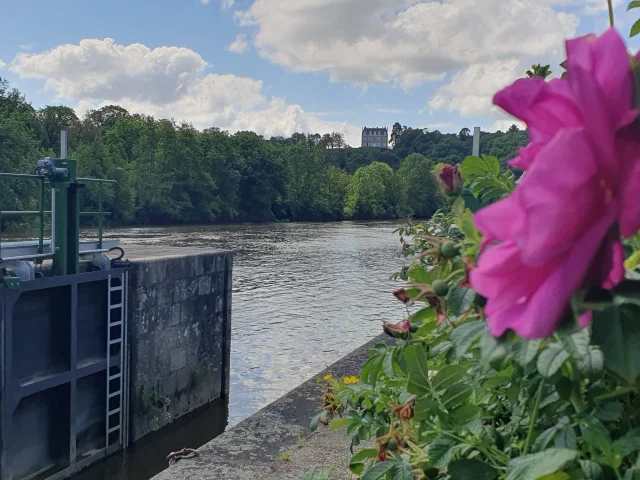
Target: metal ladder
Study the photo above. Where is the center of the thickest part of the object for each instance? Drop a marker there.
(116, 401)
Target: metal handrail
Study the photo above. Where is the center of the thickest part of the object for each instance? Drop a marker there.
(41, 212)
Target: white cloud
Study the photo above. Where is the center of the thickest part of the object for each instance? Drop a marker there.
(166, 82)
(26, 47)
(505, 124)
(471, 90)
(409, 42)
(2, 64)
(402, 41)
(103, 69)
(239, 45)
(205, 2)
(226, 4)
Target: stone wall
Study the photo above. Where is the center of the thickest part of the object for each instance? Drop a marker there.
(180, 334)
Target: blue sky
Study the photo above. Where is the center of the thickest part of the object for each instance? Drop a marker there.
(278, 66)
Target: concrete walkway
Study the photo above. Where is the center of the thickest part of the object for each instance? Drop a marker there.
(275, 443)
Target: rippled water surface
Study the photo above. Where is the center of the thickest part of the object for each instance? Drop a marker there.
(304, 295)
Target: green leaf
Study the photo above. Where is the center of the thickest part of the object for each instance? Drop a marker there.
(465, 414)
(617, 331)
(494, 382)
(596, 436)
(592, 364)
(565, 438)
(493, 163)
(466, 335)
(524, 351)
(357, 468)
(425, 408)
(417, 367)
(456, 395)
(387, 365)
(364, 454)
(630, 442)
(340, 423)
(448, 376)
(377, 470)
(609, 411)
(591, 469)
(493, 351)
(577, 344)
(402, 471)
(420, 275)
(544, 439)
(633, 261)
(635, 29)
(633, 4)
(471, 469)
(556, 476)
(534, 466)
(423, 314)
(551, 359)
(441, 451)
(314, 421)
(371, 369)
(460, 300)
(473, 166)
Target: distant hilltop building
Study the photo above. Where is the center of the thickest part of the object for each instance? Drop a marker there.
(375, 137)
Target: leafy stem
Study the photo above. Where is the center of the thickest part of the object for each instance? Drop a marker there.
(453, 275)
(534, 418)
(576, 392)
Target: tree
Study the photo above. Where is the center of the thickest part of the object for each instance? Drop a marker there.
(20, 148)
(371, 193)
(170, 172)
(539, 71)
(396, 131)
(106, 116)
(420, 185)
(262, 180)
(54, 119)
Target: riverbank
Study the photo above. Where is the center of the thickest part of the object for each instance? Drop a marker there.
(276, 443)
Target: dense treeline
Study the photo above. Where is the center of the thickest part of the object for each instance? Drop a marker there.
(169, 172)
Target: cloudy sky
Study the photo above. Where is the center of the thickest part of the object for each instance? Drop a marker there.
(281, 66)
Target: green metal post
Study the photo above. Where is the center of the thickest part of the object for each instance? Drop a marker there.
(73, 216)
(67, 218)
(60, 220)
(100, 219)
(41, 243)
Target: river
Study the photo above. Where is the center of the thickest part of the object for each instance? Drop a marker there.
(304, 295)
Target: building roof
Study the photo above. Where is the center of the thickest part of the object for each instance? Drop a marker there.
(382, 130)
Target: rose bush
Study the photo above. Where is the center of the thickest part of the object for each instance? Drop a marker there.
(520, 354)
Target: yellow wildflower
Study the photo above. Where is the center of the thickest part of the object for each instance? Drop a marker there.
(328, 377)
(350, 380)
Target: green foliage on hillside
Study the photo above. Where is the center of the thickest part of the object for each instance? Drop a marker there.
(169, 172)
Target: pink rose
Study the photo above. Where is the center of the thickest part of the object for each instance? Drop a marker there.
(397, 330)
(553, 234)
(450, 179)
